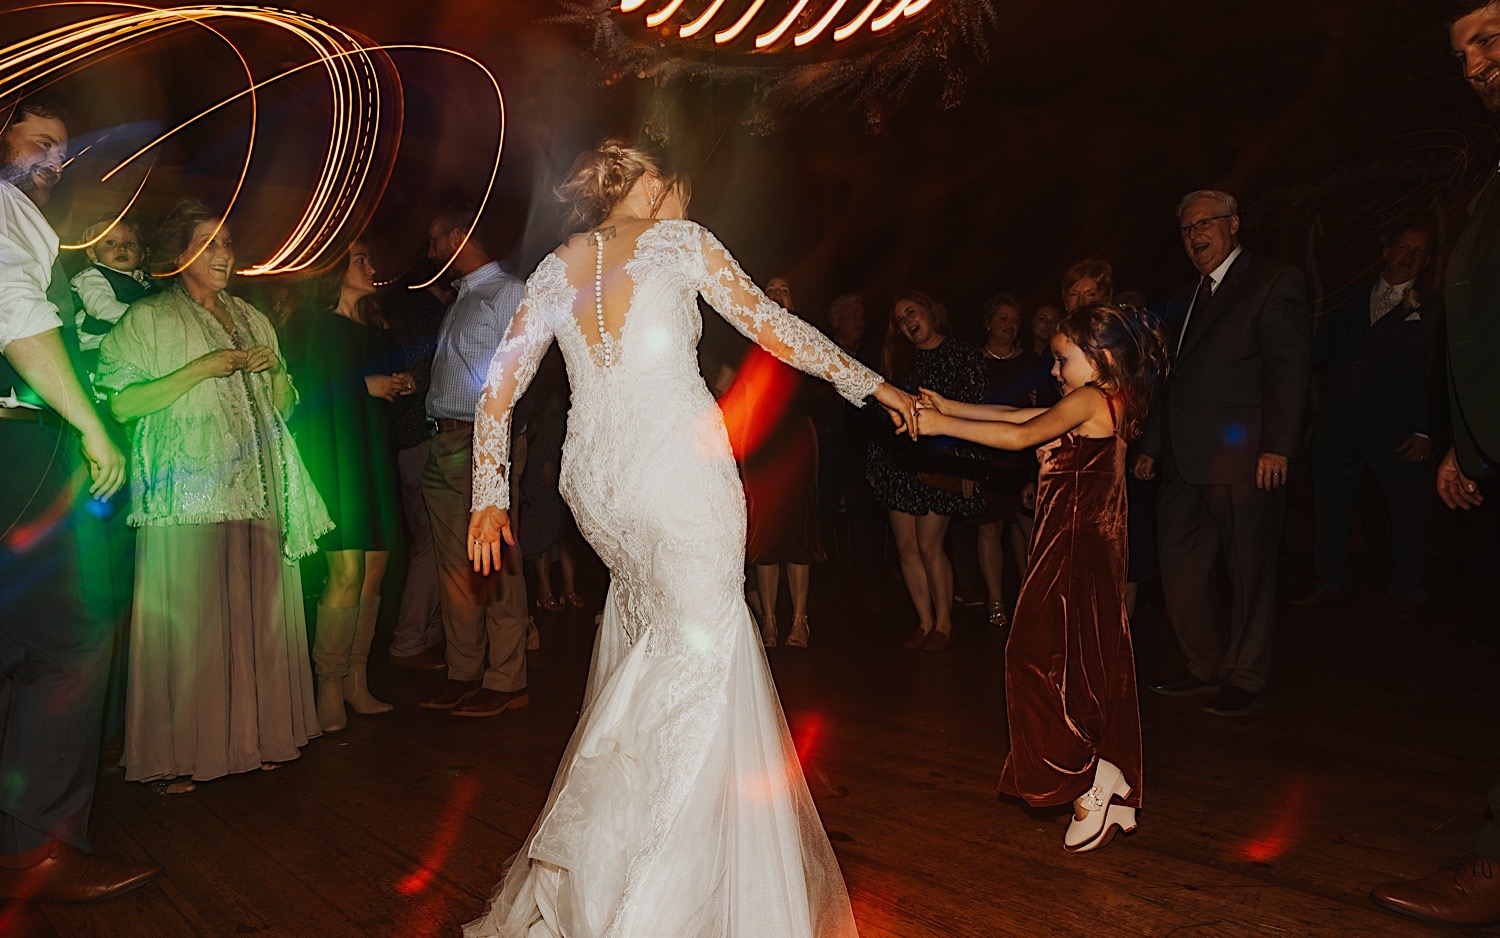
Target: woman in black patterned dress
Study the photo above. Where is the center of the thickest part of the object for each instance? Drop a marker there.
(923, 485)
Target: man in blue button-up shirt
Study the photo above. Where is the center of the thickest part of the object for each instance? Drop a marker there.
(477, 610)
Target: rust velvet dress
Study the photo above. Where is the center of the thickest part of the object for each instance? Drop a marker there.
(1069, 670)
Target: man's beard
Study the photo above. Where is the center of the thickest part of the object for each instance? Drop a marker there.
(28, 181)
(1489, 95)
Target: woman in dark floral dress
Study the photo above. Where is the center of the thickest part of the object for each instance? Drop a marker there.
(923, 485)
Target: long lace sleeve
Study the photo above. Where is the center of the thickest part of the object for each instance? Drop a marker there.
(511, 370)
(790, 338)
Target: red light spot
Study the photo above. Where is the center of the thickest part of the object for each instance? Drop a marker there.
(753, 404)
(806, 736)
(1286, 828)
(23, 537)
(442, 841)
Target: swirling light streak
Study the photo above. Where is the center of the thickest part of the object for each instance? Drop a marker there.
(121, 31)
(337, 201)
(118, 218)
(901, 9)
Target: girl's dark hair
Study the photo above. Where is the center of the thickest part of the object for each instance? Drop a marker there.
(1127, 348)
(174, 234)
(898, 355)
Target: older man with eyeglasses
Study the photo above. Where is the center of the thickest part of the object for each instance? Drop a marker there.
(1223, 433)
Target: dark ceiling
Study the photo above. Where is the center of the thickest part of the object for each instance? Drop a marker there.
(1327, 118)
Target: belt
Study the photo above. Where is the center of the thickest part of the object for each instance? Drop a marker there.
(45, 418)
(448, 423)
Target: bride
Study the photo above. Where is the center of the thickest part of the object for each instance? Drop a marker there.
(679, 809)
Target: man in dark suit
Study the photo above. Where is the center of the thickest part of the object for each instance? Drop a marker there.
(1223, 431)
(1374, 350)
(1467, 892)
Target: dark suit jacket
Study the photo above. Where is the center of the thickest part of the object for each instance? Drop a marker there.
(1376, 382)
(1473, 295)
(1239, 385)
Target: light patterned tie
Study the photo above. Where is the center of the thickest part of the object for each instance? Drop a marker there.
(1387, 302)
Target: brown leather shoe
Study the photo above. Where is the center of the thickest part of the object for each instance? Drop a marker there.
(59, 872)
(454, 693)
(488, 703)
(430, 659)
(1466, 892)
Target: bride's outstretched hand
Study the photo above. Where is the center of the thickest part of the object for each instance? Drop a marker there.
(488, 527)
(901, 406)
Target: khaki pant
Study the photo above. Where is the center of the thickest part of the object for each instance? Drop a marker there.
(476, 609)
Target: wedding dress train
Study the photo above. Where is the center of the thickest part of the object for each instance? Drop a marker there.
(679, 809)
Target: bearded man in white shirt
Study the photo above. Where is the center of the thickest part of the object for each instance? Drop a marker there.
(52, 662)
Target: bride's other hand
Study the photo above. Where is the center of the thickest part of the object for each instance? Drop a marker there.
(930, 398)
(488, 527)
(902, 407)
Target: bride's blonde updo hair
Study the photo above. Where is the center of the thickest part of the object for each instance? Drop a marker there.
(601, 177)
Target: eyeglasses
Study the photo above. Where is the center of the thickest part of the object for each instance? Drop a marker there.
(1201, 224)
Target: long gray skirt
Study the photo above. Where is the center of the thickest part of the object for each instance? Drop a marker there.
(219, 679)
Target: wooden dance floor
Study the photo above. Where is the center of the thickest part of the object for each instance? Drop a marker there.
(1370, 763)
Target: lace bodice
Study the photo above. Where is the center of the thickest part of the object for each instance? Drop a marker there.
(653, 360)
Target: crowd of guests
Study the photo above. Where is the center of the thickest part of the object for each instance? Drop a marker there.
(1097, 443)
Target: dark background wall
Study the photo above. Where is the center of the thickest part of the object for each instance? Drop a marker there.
(1328, 119)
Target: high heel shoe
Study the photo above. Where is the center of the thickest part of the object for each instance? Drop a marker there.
(998, 618)
(768, 632)
(572, 599)
(798, 638)
(1109, 784)
(548, 602)
(1116, 817)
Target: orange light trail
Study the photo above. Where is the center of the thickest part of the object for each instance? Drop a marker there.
(769, 38)
(354, 163)
(850, 28)
(899, 10)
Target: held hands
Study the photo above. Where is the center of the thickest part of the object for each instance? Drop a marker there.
(390, 387)
(902, 407)
(1270, 471)
(260, 358)
(929, 421)
(932, 399)
(1144, 467)
(1415, 448)
(1454, 488)
(221, 363)
(106, 464)
(487, 528)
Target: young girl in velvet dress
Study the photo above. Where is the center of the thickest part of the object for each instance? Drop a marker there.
(1075, 733)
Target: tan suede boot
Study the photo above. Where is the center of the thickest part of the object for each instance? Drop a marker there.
(330, 657)
(356, 685)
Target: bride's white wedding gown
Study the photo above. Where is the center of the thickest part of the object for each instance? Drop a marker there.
(679, 809)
